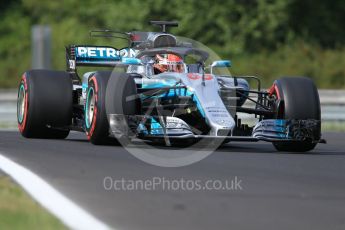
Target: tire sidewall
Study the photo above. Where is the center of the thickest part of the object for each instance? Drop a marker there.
(22, 123)
(98, 129)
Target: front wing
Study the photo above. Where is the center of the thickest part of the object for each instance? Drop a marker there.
(272, 130)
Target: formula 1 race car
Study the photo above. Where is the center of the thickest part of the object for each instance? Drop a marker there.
(166, 93)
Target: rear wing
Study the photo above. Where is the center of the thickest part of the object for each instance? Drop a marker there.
(103, 56)
(107, 56)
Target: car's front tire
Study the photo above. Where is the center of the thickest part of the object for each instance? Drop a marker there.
(122, 99)
(301, 102)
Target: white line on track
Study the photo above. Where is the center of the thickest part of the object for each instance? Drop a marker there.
(64, 209)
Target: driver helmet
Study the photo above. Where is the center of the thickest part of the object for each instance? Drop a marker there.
(168, 63)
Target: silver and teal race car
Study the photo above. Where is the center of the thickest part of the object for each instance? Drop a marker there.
(168, 91)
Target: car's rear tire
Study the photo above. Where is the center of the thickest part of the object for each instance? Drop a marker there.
(96, 122)
(44, 104)
(300, 101)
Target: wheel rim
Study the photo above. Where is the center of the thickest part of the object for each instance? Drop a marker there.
(90, 107)
(21, 104)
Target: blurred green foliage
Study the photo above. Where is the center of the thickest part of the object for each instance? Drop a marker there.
(269, 38)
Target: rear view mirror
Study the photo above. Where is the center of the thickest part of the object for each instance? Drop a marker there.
(221, 64)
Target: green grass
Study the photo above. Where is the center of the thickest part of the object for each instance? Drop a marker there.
(327, 126)
(331, 126)
(324, 66)
(7, 125)
(19, 211)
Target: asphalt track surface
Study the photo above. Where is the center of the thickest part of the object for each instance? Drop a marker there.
(279, 190)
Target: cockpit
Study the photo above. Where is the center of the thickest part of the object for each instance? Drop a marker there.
(176, 60)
